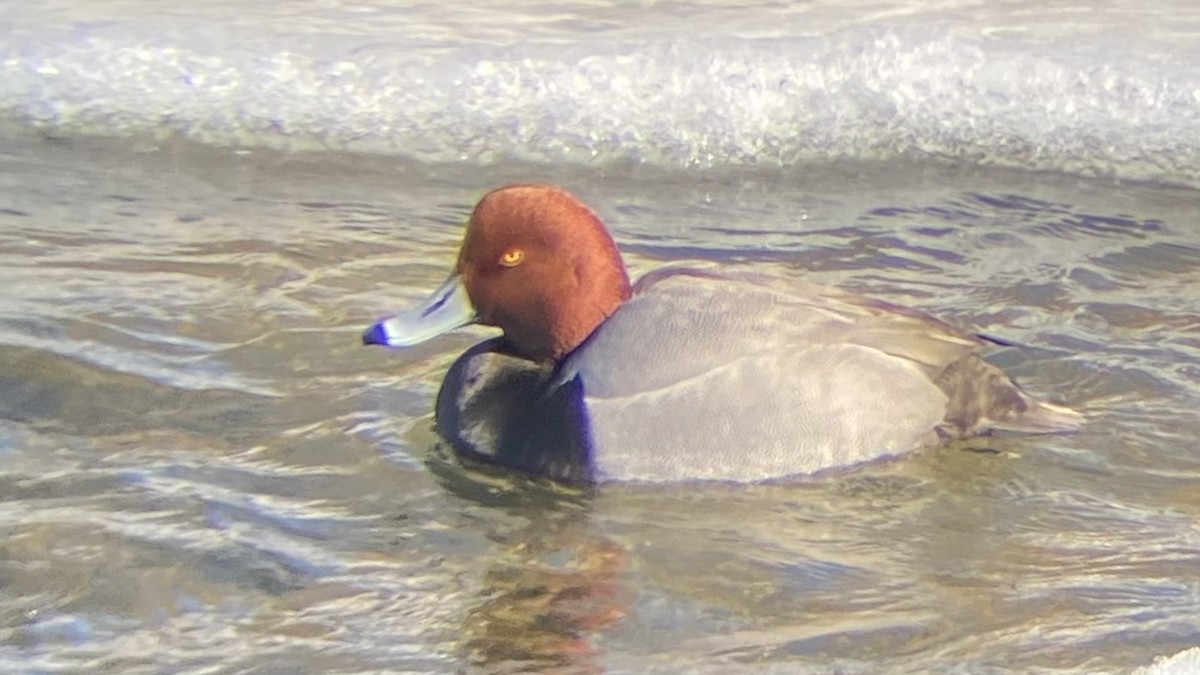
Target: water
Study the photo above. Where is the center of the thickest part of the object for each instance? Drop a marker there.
(1106, 88)
(203, 471)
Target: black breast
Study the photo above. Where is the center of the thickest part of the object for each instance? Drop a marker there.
(501, 409)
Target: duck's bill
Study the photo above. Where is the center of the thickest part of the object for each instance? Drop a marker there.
(448, 308)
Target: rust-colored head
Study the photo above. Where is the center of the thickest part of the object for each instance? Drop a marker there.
(539, 264)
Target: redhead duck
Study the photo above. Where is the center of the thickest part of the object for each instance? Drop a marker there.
(689, 374)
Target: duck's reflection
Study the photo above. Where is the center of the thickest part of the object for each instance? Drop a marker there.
(541, 616)
(556, 582)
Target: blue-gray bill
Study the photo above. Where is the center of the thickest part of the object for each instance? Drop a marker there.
(447, 308)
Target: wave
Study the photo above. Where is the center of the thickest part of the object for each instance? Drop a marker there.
(1080, 100)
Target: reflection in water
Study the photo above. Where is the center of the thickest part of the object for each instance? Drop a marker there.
(539, 615)
(553, 583)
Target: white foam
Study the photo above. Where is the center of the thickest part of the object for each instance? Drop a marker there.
(1023, 88)
(1186, 662)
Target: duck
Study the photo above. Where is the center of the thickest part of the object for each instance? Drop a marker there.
(689, 374)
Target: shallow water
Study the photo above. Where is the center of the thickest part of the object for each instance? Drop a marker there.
(204, 471)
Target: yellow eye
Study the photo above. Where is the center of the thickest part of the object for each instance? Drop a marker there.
(512, 257)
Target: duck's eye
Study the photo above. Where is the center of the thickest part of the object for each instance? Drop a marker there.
(512, 257)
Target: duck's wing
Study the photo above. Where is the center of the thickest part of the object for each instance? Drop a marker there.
(683, 322)
(739, 379)
(702, 377)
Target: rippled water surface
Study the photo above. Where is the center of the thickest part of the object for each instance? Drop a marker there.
(203, 469)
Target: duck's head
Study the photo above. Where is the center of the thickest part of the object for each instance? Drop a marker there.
(536, 263)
